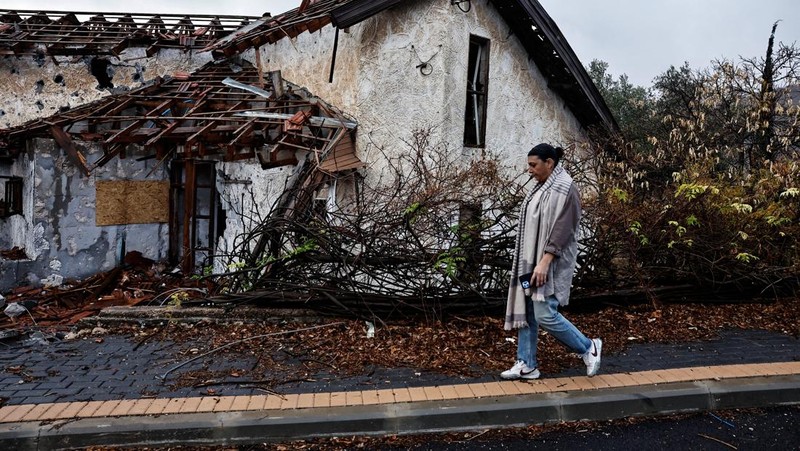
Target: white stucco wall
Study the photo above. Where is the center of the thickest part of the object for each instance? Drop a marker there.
(32, 88)
(376, 80)
(247, 194)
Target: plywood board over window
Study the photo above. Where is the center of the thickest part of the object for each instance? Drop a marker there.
(132, 202)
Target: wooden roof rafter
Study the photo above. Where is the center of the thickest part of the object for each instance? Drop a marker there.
(194, 115)
(24, 32)
(308, 17)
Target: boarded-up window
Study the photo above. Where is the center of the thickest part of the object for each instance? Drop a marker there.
(132, 202)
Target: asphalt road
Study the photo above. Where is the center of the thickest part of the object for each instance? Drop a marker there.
(775, 428)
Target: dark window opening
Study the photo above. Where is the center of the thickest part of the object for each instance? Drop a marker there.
(477, 89)
(11, 200)
(469, 240)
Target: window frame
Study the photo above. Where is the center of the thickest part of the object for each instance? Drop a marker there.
(477, 92)
(12, 199)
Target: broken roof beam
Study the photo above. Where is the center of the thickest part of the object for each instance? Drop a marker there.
(117, 107)
(64, 30)
(101, 35)
(108, 154)
(165, 132)
(243, 131)
(161, 109)
(195, 138)
(317, 121)
(304, 5)
(155, 25)
(65, 142)
(124, 134)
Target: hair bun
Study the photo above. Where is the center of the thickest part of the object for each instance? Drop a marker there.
(545, 151)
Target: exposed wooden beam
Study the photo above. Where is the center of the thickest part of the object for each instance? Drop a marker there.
(125, 131)
(65, 142)
(191, 140)
(166, 131)
(108, 154)
(318, 121)
(242, 131)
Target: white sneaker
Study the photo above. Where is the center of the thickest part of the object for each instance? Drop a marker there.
(520, 371)
(592, 357)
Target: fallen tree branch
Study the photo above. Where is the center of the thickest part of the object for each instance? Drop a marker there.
(718, 441)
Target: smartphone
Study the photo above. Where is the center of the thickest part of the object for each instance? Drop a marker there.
(525, 281)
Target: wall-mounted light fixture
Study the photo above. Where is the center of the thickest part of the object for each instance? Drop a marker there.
(462, 8)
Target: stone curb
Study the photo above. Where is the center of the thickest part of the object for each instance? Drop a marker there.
(250, 427)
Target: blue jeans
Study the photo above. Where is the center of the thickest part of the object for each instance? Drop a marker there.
(546, 315)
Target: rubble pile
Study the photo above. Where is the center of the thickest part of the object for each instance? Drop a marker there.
(138, 282)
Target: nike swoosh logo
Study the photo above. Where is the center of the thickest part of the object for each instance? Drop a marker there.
(525, 373)
(594, 350)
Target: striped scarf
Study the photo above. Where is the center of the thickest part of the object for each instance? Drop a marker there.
(538, 214)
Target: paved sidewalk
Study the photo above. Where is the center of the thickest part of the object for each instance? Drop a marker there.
(69, 394)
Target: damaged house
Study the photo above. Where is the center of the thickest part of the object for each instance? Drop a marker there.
(222, 121)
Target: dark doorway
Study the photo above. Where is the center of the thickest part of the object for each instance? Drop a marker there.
(194, 224)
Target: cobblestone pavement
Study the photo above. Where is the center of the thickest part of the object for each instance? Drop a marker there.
(36, 371)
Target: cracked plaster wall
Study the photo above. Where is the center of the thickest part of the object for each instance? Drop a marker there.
(60, 235)
(376, 80)
(12, 229)
(40, 87)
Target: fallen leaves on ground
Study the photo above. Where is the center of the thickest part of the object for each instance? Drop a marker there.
(469, 346)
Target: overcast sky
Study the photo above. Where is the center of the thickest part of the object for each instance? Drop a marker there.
(640, 38)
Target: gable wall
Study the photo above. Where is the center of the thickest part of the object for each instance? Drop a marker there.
(376, 80)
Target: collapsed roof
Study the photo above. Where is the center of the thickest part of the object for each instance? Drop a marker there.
(222, 111)
(55, 33)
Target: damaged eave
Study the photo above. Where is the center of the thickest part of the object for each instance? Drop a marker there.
(554, 57)
(356, 11)
(310, 17)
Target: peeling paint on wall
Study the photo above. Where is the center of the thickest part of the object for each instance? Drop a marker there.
(61, 238)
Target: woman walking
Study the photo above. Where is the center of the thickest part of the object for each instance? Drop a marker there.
(544, 263)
